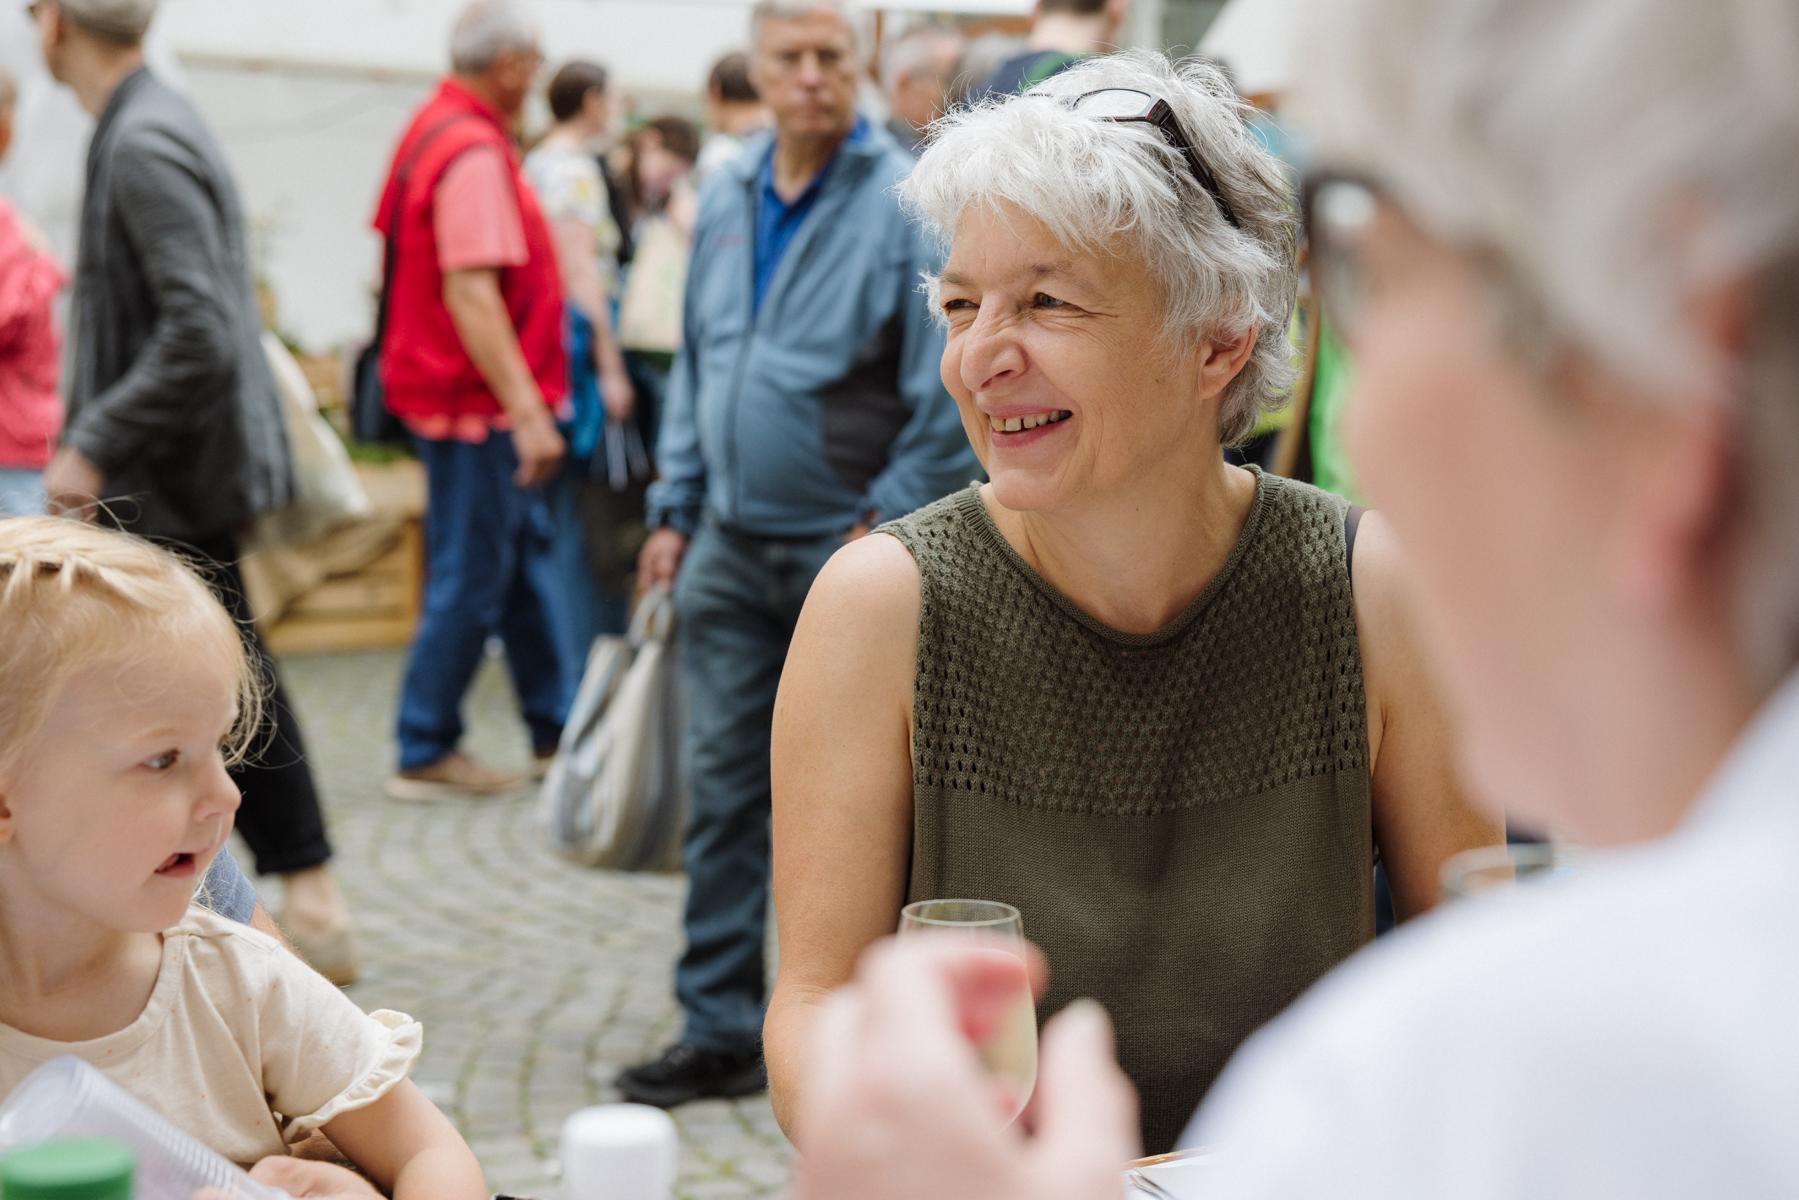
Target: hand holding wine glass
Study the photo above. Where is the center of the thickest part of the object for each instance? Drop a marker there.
(897, 1106)
(1009, 1049)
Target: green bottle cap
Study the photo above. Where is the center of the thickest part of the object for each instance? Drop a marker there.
(73, 1169)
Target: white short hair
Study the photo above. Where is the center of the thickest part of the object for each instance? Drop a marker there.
(1090, 181)
(1620, 157)
(788, 10)
(486, 29)
(124, 21)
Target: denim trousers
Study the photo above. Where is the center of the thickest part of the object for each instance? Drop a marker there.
(488, 571)
(737, 599)
(21, 492)
(588, 611)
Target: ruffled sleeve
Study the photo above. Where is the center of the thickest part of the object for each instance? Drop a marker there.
(399, 1049)
(322, 1056)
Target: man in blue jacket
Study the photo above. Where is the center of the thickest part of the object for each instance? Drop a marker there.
(804, 406)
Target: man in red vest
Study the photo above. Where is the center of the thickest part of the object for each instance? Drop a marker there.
(472, 362)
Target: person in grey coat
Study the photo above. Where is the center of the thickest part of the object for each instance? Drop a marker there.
(173, 426)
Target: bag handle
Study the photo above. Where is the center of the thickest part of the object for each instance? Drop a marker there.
(654, 619)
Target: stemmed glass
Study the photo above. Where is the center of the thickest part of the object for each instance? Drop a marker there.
(1010, 1054)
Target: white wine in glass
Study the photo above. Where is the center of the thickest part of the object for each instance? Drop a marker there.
(1011, 1053)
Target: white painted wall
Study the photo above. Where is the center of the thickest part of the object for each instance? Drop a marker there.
(308, 96)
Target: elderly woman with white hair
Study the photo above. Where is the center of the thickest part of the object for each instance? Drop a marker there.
(1563, 237)
(1167, 708)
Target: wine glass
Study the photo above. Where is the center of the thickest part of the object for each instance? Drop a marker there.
(1010, 1053)
(1489, 868)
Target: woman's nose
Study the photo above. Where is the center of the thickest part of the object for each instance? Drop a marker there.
(991, 355)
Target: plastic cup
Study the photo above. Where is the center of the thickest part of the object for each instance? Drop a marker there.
(67, 1098)
(619, 1152)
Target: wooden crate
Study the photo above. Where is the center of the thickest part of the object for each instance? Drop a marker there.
(377, 606)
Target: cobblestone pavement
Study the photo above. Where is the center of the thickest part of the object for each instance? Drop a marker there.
(536, 980)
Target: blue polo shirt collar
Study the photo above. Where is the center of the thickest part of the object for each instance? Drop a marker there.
(777, 221)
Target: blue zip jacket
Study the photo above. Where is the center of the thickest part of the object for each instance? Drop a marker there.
(824, 406)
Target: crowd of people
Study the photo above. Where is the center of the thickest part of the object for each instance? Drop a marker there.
(926, 421)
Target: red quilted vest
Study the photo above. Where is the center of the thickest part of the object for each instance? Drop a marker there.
(424, 368)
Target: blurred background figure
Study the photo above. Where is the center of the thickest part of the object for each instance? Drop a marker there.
(662, 157)
(664, 153)
(1062, 33)
(916, 71)
(30, 409)
(564, 170)
(174, 424)
(734, 110)
(473, 363)
(805, 406)
(653, 202)
(980, 58)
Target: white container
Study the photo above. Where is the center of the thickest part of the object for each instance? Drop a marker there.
(619, 1152)
(68, 1098)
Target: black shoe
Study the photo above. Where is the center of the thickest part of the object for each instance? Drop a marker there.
(686, 1073)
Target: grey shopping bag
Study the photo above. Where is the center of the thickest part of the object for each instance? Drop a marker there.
(616, 795)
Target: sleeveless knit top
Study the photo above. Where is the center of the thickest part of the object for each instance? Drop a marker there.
(1182, 817)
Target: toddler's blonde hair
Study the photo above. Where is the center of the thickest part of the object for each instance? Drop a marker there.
(71, 593)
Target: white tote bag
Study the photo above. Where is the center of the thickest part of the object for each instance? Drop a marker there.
(616, 795)
(327, 492)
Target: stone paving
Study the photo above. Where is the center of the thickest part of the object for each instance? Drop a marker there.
(536, 980)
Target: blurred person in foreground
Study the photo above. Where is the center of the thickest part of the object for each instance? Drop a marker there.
(734, 111)
(804, 407)
(30, 408)
(1168, 708)
(916, 70)
(1063, 32)
(473, 363)
(565, 175)
(1576, 383)
(174, 427)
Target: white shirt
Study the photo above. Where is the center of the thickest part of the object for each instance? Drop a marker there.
(1632, 1032)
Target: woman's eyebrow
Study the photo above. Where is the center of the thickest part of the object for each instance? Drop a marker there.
(1034, 271)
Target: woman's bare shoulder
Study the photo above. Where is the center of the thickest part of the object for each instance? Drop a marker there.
(872, 583)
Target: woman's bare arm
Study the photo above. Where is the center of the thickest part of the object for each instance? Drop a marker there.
(842, 778)
(1421, 815)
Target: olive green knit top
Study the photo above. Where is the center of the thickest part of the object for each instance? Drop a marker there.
(1182, 817)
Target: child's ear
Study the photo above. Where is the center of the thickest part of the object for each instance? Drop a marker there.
(5, 821)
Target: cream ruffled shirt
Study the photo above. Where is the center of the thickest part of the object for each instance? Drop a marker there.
(241, 1044)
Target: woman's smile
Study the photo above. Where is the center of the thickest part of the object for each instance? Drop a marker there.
(1018, 431)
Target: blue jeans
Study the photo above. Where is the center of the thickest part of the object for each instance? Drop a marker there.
(737, 599)
(587, 611)
(21, 492)
(488, 571)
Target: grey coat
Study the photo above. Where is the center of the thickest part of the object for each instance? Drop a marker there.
(170, 393)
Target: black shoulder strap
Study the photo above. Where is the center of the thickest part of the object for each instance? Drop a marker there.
(403, 175)
(1351, 520)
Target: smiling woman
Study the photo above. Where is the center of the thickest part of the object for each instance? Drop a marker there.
(1148, 699)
